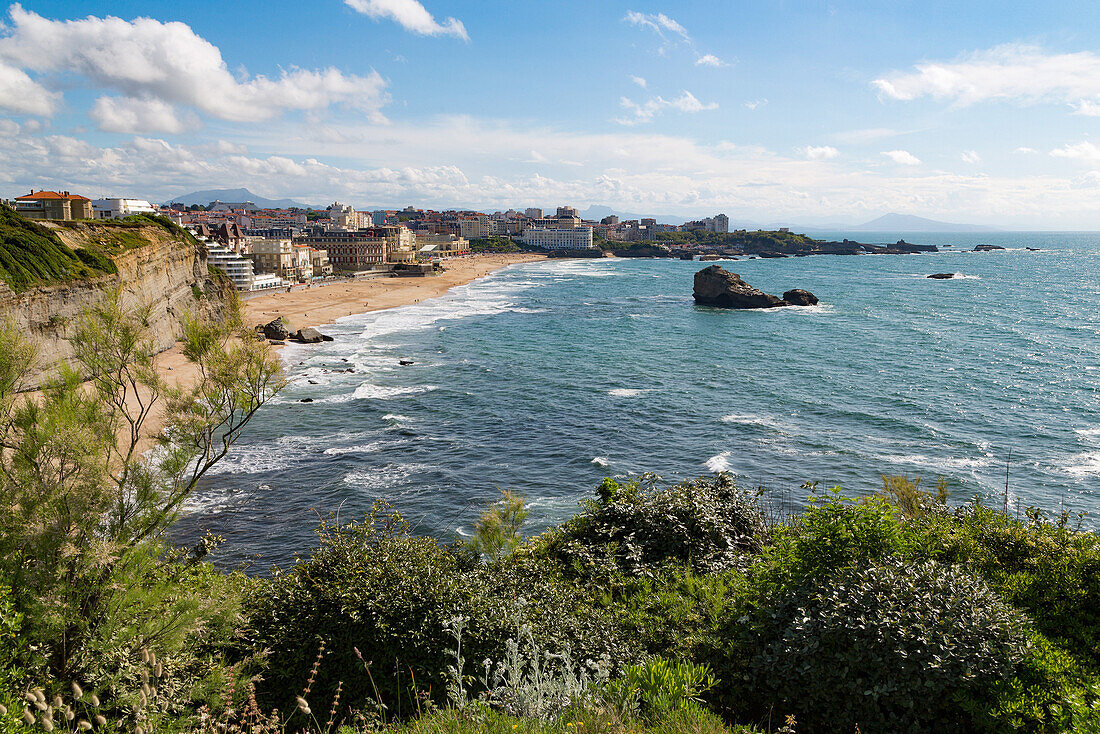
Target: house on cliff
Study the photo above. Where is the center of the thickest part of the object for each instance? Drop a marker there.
(53, 205)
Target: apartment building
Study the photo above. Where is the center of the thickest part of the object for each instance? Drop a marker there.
(236, 267)
(573, 238)
(365, 249)
(440, 245)
(474, 226)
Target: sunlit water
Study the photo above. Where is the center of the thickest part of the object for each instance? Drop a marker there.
(546, 377)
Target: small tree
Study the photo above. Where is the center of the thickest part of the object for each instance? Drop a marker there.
(83, 511)
(497, 532)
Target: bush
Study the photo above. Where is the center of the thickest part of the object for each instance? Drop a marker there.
(375, 588)
(891, 648)
(659, 687)
(833, 534)
(96, 261)
(708, 524)
(31, 254)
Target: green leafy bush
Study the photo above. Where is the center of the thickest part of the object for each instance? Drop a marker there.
(96, 261)
(658, 686)
(31, 254)
(375, 588)
(889, 648)
(707, 523)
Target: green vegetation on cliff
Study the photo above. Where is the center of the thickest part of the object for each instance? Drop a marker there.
(32, 255)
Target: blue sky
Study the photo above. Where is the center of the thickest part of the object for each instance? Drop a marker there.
(807, 112)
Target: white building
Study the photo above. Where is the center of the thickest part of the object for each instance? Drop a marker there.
(574, 238)
(118, 208)
(238, 268)
(343, 216)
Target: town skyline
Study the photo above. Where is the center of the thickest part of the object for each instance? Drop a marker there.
(824, 114)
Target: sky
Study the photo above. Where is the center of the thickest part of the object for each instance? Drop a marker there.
(772, 111)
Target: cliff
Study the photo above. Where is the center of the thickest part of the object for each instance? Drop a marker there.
(157, 265)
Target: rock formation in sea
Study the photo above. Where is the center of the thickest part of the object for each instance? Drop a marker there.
(941, 276)
(715, 286)
(987, 248)
(800, 297)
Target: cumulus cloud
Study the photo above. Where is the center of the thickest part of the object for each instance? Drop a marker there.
(1084, 151)
(710, 60)
(640, 81)
(658, 23)
(819, 153)
(24, 96)
(755, 103)
(902, 157)
(151, 60)
(412, 15)
(971, 156)
(130, 115)
(646, 111)
(1012, 72)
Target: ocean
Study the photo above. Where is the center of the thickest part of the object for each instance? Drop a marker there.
(544, 378)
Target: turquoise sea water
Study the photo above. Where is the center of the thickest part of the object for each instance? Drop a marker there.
(544, 378)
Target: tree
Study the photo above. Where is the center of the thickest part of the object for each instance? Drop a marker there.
(83, 510)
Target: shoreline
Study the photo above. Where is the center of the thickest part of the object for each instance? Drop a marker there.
(324, 304)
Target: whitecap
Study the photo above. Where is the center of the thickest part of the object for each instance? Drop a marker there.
(1086, 433)
(600, 461)
(1086, 464)
(718, 462)
(748, 419)
(626, 392)
(949, 463)
(369, 391)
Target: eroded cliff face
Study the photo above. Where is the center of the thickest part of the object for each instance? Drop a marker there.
(162, 270)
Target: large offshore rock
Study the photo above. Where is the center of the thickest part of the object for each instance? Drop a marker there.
(308, 336)
(715, 286)
(799, 297)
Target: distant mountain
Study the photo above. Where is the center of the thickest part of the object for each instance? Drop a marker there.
(234, 196)
(910, 223)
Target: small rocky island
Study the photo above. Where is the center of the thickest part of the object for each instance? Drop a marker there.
(715, 286)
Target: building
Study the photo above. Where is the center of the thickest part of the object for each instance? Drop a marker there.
(365, 249)
(533, 213)
(568, 211)
(719, 223)
(274, 257)
(236, 267)
(54, 205)
(228, 234)
(119, 208)
(573, 238)
(441, 245)
(225, 206)
(342, 216)
(319, 261)
(474, 226)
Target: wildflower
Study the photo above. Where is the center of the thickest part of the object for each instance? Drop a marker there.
(158, 670)
(78, 692)
(303, 706)
(28, 717)
(83, 725)
(57, 702)
(47, 724)
(94, 700)
(3, 710)
(100, 720)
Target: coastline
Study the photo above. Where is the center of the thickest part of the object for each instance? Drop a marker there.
(323, 304)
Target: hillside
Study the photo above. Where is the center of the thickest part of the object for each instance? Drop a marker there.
(32, 254)
(53, 271)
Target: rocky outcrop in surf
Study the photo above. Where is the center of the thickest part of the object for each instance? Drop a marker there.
(715, 286)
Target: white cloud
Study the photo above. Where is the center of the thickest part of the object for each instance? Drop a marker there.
(130, 115)
(646, 111)
(412, 15)
(147, 59)
(1025, 149)
(710, 60)
(971, 156)
(1084, 151)
(819, 153)
(24, 96)
(753, 104)
(902, 157)
(657, 22)
(1010, 72)
(640, 81)
(1086, 108)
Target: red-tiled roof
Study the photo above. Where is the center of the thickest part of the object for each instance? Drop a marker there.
(50, 195)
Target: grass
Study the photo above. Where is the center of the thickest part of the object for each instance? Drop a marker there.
(32, 255)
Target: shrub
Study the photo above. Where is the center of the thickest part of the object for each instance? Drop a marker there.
(658, 687)
(374, 587)
(833, 534)
(707, 523)
(889, 648)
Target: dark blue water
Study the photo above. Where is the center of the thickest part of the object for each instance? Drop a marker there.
(544, 378)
